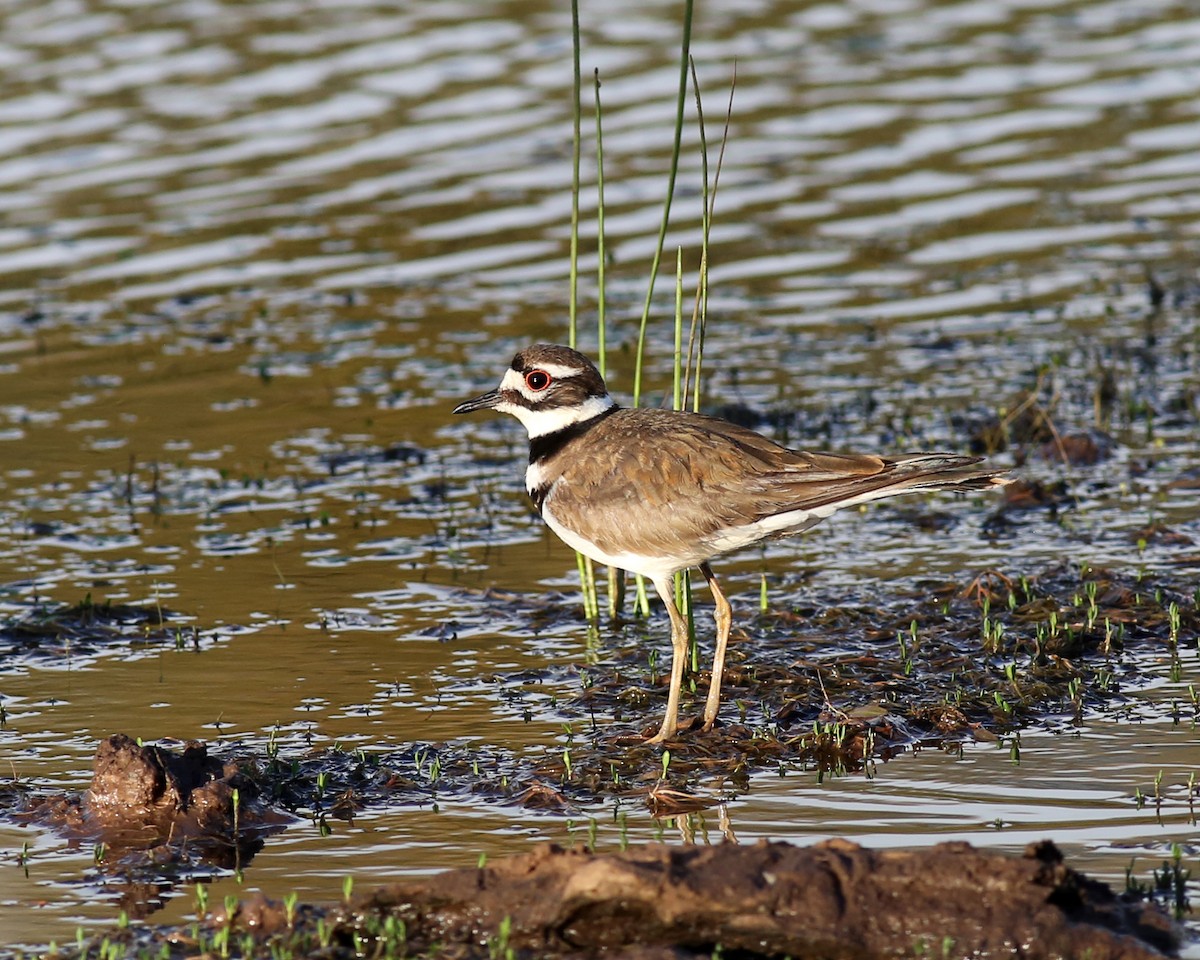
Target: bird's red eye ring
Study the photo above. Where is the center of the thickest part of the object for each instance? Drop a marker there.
(537, 380)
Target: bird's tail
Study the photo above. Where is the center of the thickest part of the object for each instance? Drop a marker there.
(937, 471)
(922, 471)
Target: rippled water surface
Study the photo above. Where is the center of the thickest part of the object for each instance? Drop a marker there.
(252, 253)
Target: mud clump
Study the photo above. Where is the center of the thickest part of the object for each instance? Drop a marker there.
(835, 899)
(135, 787)
(154, 815)
(157, 816)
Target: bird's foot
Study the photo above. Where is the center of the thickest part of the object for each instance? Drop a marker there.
(715, 726)
(665, 734)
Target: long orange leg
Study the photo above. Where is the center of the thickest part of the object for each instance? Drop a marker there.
(724, 617)
(679, 645)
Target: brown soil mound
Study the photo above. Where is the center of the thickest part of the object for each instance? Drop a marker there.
(833, 900)
(150, 807)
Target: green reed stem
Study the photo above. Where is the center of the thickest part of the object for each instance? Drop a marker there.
(642, 604)
(600, 251)
(616, 578)
(581, 564)
(696, 337)
(577, 111)
(587, 573)
(683, 581)
(677, 379)
(641, 598)
(662, 230)
(593, 600)
(700, 313)
(683, 600)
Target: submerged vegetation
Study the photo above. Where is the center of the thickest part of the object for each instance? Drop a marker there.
(49, 630)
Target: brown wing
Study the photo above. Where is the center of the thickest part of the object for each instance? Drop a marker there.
(678, 479)
(767, 479)
(681, 479)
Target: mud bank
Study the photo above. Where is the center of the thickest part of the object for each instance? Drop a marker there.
(835, 899)
(773, 899)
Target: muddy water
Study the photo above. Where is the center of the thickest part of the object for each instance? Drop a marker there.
(251, 254)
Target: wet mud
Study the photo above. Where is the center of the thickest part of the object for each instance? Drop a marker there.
(828, 684)
(835, 687)
(157, 815)
(49, 630)
(835, 899)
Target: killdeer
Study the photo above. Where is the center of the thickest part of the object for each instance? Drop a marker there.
(658, 491)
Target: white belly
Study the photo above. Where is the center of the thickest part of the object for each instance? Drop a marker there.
(655, 568)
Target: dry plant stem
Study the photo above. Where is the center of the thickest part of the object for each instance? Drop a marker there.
(838, 712)
(616, 592)
(977, 589)
(1031, 401)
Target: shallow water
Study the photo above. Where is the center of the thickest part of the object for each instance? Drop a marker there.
(253, 253)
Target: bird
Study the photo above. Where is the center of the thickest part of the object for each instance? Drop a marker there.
(655, 491)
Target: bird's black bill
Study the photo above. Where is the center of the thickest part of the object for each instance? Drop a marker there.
(483, 402)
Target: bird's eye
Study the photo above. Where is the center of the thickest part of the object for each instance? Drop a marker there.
(537, 380)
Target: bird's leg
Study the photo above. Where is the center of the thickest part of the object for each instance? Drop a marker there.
(724, 617)
(679, 644)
